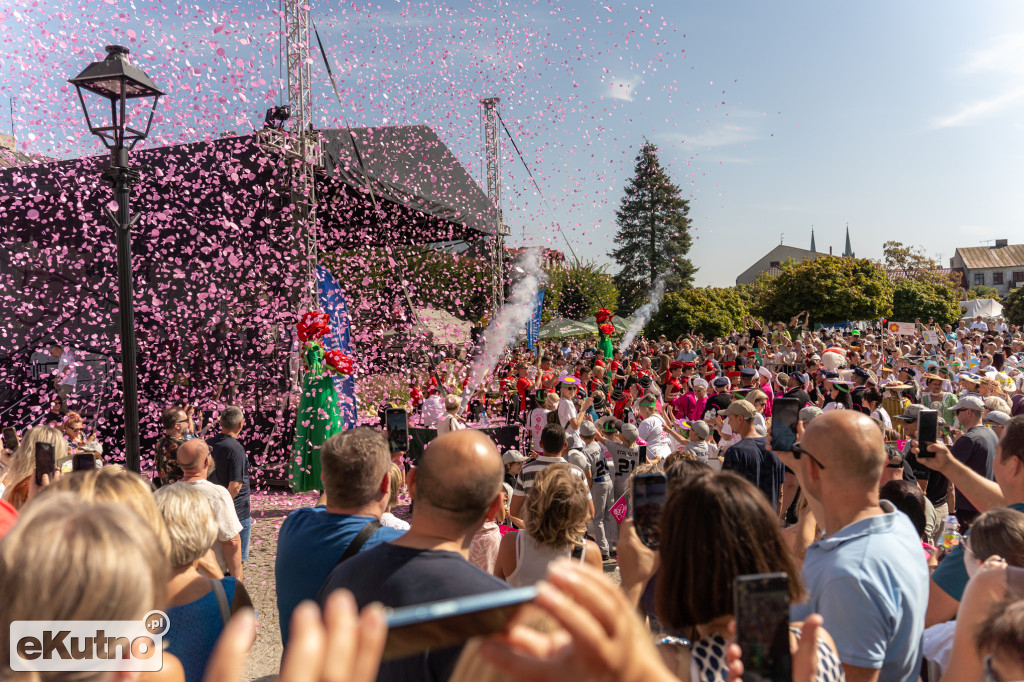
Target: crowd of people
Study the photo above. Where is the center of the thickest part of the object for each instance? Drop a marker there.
(903, 560)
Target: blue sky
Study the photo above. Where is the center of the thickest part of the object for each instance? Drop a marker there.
(901, 119)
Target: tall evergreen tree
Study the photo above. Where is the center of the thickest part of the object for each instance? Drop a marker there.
(653, 236)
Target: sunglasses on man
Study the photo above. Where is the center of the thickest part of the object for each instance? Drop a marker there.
(798, 452)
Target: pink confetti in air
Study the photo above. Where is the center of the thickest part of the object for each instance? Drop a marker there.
(214, 244)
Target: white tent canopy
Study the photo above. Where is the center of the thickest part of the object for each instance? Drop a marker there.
(986, 307)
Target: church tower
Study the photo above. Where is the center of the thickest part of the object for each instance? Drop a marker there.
(848, 253)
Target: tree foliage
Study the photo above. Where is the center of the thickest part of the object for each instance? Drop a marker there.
(912, 263)
(913, 299)
(830, 289)
(983, 291)
(577, 291)
(1013, 307)
(709, 311)
(653, 235)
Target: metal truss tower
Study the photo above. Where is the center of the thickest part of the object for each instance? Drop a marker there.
(301, 144)
(489, 112)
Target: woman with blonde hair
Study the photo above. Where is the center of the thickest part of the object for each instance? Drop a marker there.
(556, 512)
(198, 607)
(387, 518)
(112, 485)
(14, 484)
(96, 562)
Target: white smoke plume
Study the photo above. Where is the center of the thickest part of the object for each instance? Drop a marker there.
(504, 328)
(643, 314)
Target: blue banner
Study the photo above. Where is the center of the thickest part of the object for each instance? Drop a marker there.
(332, 302)
(533, 325)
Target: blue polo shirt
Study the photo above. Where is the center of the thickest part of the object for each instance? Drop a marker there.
(951, 574)
(869, 582)
(309, 545)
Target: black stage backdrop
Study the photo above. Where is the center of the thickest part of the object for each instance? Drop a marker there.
(219, 271)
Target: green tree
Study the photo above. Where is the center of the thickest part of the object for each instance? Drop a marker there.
(653, 235)
(830, 289)
(577, 291)
(707, 310)
(983, 291)
(923, 299)
(1013, 307)
(911, 262)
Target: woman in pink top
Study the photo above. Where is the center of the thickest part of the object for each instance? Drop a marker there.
(690, 405)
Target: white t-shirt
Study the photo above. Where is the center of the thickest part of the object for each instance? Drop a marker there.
(228, 525)
(883, 416)
(448, 424)
(979, 325)
(566, 413)
(433, 409)
(389, 520)
(623, 460)
(536, 422)
(652, 433)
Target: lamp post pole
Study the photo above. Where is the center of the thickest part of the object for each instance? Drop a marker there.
(117, 82)
(123, 177)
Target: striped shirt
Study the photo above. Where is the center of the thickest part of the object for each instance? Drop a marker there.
(531, 470)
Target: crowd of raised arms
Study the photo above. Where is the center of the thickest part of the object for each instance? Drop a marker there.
(895, 516)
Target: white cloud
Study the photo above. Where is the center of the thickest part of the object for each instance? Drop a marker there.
(739, 127)
(975, 111)
(1002, 58)
(623, 88)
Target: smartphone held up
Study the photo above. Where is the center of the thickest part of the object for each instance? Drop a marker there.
(46, 464)
(762, 626)
(415, 629)
(927, 431)
(649, 492)
(785, 415)
(396, 421)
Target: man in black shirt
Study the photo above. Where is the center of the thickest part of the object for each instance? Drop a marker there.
(750, 458)
(231, 469)
(718, 400)
(976, 448)
(795, 388)
(429, 563)
(936, 487)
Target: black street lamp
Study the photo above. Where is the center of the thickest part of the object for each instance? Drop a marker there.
(128, 91)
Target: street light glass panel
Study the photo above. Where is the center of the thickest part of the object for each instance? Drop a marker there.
(118, 99)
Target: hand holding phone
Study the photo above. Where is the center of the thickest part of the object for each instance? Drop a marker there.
(437, 625)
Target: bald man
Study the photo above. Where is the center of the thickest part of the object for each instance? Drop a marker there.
(195, 460)
(429, 563)
(867, 577)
